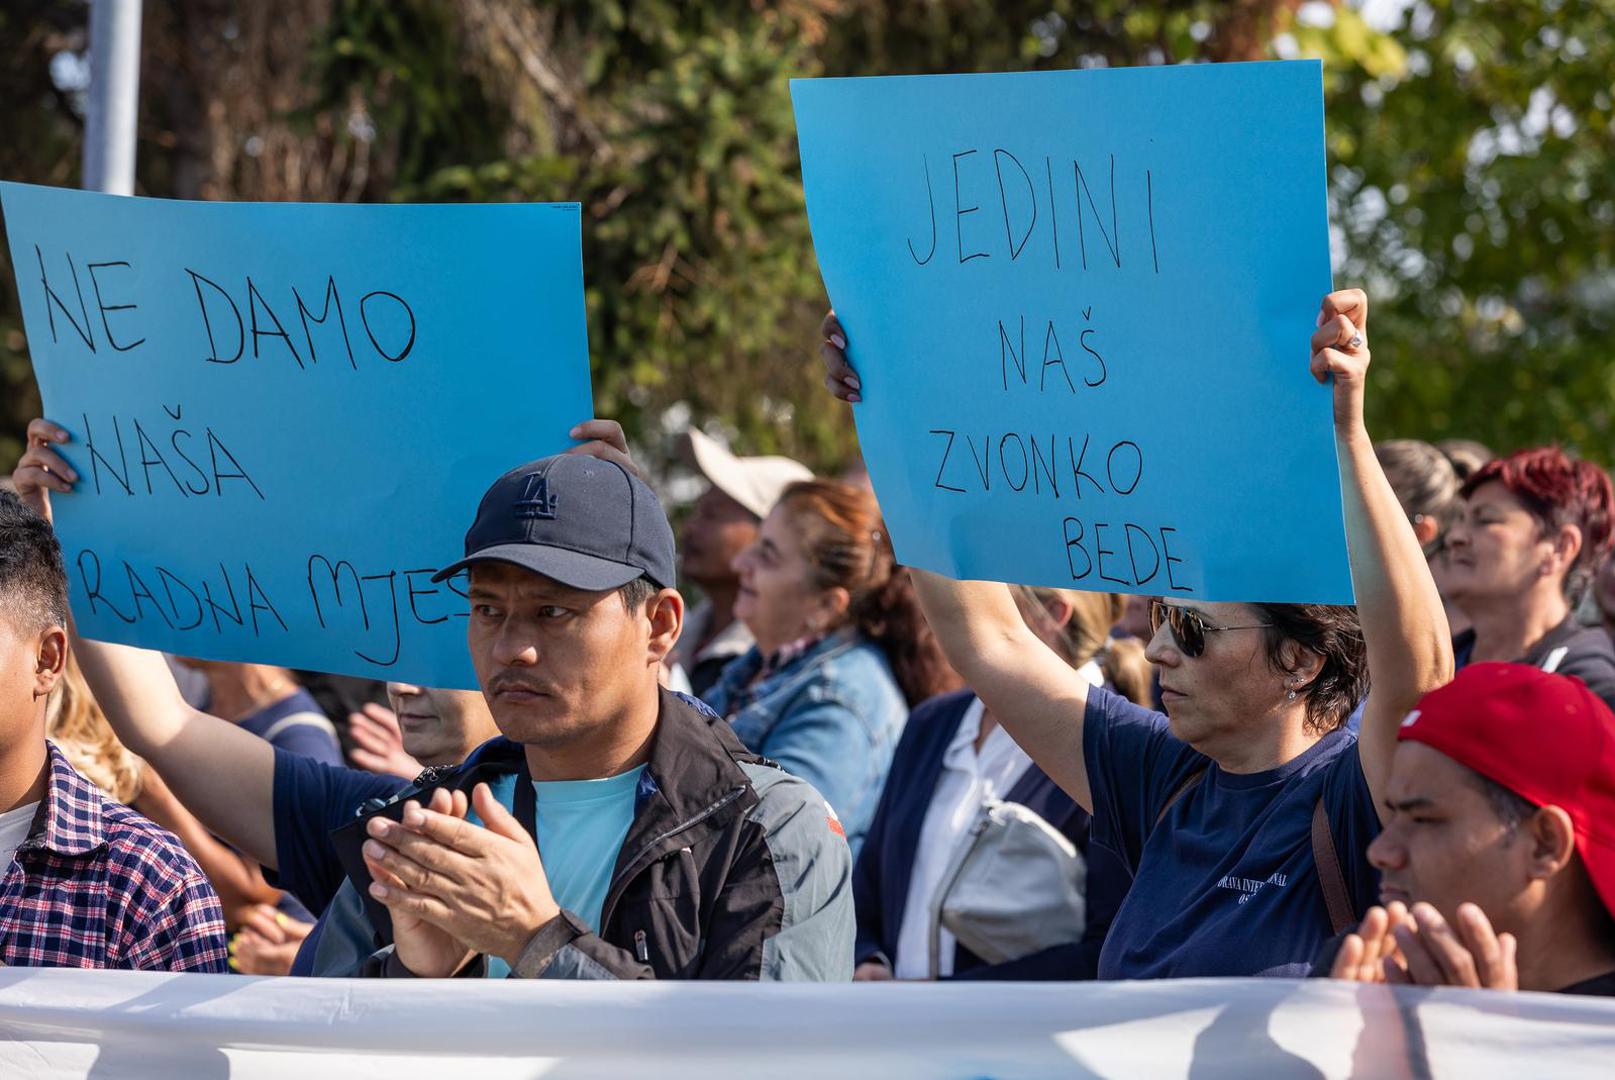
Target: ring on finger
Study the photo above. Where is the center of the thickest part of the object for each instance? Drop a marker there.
(1356, 341)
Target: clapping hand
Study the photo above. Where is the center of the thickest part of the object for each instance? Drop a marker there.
(1420, 948)
(1365, 952)
(454, 888)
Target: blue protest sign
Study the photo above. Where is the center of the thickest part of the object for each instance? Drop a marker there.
(284, 415)
(1079, 304)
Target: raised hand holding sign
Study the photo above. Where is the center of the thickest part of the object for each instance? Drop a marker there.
(280, 417)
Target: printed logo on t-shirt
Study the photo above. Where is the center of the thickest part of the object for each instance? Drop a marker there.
(1411, 718)
(1249, 887)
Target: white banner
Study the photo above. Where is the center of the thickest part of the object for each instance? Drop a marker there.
(62, 1023)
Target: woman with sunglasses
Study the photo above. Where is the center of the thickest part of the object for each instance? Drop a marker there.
(1245, 811)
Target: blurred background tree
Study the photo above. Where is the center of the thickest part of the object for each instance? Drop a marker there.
(1472, 176)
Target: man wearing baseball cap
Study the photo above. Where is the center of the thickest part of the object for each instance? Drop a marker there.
(723, 523)
(1497, 859)
(617, 829)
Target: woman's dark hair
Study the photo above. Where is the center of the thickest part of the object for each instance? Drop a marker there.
(1334, 633)
(1425, 482)
(1559, 490)
(846, 546)
(1465, 455)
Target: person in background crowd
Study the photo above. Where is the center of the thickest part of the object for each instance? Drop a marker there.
(378, 743)
(572, 614)
(424, 727)
(1604, 594)
(1426, 484)
(335, 697)
(340, 697)
(1466, 456)
(1245, 812)
(192, 683)
(1135, 617)
(1535, 526)
(723, 523)
(1135, 623)
(268, 942)
(268, 702)
(1498, 857)
(954, 757)
(841, 651)
(84, 881)
(1080, 626)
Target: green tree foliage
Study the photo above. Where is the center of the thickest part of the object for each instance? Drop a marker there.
(1470, 147)
(674, 130)
(1473, 181)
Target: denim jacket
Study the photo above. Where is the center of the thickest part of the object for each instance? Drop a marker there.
(831, 716)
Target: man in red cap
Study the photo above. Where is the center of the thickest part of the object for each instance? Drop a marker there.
(1497, 860)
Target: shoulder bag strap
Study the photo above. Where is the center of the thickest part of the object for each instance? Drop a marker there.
(1335, 894)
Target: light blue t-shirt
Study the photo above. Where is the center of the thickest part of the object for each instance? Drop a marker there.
(581, 825)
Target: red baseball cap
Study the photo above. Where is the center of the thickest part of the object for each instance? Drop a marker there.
(1547, 738)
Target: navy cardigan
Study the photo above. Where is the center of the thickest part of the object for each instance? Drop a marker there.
(880, 878)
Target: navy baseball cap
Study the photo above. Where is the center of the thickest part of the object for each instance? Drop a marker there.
(587, 523)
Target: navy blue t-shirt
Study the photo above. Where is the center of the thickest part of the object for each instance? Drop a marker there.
(311, 800)
(297, 724)
(1226, 885)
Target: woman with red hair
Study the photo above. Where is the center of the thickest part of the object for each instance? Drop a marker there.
(1535, 527)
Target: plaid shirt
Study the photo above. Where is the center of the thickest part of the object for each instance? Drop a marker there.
(96, 885)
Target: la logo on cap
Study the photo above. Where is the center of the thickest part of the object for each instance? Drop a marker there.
(536, 501)
(1411, 718)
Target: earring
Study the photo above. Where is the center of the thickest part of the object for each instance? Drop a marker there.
(1290, 696)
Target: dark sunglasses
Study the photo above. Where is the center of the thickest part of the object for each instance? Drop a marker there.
(1189, 628)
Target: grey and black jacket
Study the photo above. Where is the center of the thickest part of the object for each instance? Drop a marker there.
(732, 869)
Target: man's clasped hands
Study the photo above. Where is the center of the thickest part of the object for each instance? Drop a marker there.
(456, 889)
(1395, 944)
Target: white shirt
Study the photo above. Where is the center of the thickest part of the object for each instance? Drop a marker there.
(968, 779)
(14, 825)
